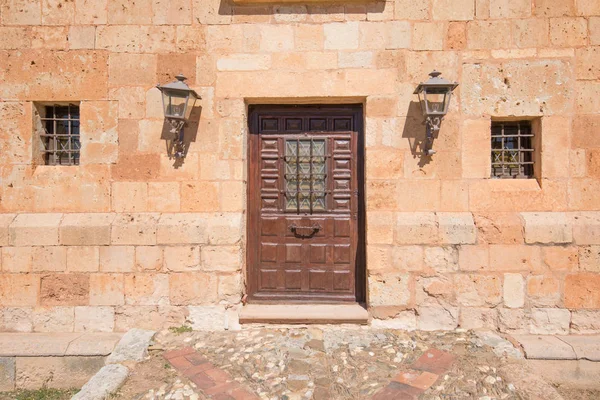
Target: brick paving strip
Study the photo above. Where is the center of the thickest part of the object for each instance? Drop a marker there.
(210, 380)
(425, 371)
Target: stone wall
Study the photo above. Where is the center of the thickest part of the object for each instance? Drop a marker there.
(80, 244)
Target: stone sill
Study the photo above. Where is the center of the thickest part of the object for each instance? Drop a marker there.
(304, 314)
(57, 344)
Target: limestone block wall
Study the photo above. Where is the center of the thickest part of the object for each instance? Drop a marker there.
(514, 272)
(76, 237)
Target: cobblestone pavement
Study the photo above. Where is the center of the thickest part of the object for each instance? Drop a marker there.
(327, 363)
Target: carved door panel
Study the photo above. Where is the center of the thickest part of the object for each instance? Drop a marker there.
(304, 204)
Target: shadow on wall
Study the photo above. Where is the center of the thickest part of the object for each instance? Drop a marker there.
(228, 7)
(190, 132)
(415, 132)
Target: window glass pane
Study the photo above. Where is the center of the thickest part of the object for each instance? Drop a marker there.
(511, 149)
(305, 178)
(60, 137)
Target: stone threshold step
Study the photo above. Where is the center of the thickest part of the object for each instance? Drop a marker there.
(57, 344)
(304, 314)
(555, 347)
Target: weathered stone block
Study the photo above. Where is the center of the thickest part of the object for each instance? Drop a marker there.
(53, 319)
(478, 318)
(207, 318)
(230, 288)
(148, 317)
(389, 289)
(146, 289)
(221, 258)
(514, 321)
(164, 196)
(56, 372)
(437, 318)
(117, 258)
(514, 290)
(530, 33)
(594, 30)
(17, 259)
(192, 288)
(499, 228)
(406, 258)
(35, 230)
(589, 258)
(182, 258)
(200, 196)
(550, 321)
(514, 87)
(132, 69)
(75, 75)
(473, 258)
(137, 229)
(434, 291)
(49, 258)
(148, 258)
(16, 319)
(5, 221)
(21, 12)
(82, 37)
(543, 290)
(586, 227)
(380, 230)
(585, 322)
(83, 259)
(456, 228)
(19, 290)
(554, 8)
(404, 320)
(515, 258)
(462, 10)
(559, 258)
(124, 12)
(7, 374)
(416, 228)
(582, 291)
(488, 34)
(65, 290)
(183, 229)
(478, 290)
(547, 228)
(341, 36)
(428, 36)
(94, 319)
(510, 9)
(456, 36)
(568, 32)
(225, 228)
(244, 62)
(441, 259)
(106, 290)
(86, 229)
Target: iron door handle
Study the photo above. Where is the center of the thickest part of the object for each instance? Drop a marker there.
(314, 229)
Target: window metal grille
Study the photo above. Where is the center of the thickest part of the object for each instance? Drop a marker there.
(60, 139)
(512, 150)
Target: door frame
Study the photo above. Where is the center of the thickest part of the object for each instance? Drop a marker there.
(253, 195)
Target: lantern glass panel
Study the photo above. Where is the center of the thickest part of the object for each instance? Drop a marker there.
(175, 104)
(436, 101)
(190, 105)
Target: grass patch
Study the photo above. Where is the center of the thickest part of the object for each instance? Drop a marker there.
(40, 394)
(180, 329)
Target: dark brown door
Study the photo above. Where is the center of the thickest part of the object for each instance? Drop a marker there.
(305, 203)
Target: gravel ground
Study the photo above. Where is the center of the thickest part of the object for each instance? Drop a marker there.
(331, 363)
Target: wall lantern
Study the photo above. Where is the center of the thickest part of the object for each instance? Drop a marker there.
(434, 96)
(178, 101)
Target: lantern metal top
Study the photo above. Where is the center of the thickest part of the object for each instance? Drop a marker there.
(179, 85)
(435, 81)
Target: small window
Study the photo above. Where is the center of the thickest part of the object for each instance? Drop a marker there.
(59, 134)
(512, 150)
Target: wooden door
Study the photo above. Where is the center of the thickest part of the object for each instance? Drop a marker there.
(305, 204)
